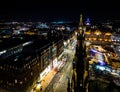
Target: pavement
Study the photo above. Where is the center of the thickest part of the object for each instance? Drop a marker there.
(45, 81)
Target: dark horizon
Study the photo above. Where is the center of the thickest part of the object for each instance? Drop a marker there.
(32, 10)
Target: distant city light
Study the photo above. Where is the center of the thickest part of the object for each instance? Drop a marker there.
(68, 28)
(87, 22)
(24, 28)
(27, 43)
(2, 52)
(42, 25)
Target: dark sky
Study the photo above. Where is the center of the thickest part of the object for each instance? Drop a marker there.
(58, 10)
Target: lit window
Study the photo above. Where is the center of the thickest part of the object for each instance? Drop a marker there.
(31, 73)
(15, 81)
(25, 78)
(21, 82)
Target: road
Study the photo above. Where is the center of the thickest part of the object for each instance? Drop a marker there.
(60, 81)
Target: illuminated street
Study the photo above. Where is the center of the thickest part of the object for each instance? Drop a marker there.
(60, 81)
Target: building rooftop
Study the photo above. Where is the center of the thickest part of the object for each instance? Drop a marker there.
(11, 42)
(37, 46)
(8, 43)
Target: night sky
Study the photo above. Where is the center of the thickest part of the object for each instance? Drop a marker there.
(59, 10)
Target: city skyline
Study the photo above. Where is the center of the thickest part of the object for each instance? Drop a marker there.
(58, 56)
(58, 10)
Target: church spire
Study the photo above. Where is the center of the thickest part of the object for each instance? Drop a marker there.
(80, 27)
(81, 21)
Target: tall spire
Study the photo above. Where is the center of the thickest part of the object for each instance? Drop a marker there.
(81, 21)
(80, 55)
(80, 27)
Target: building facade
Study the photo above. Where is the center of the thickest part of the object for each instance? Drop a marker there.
(32, 61)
